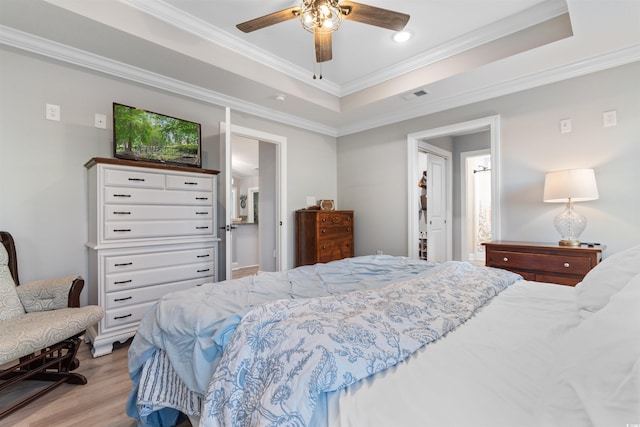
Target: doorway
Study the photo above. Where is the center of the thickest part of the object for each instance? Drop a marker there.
(268, 212)
(490, 125)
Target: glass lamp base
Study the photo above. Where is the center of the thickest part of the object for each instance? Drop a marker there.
(570, 225)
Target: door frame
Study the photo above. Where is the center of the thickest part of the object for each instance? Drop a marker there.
(490, 123)
(281, 188)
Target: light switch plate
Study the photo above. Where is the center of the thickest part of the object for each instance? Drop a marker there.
(609, 118)
(52, 112)
(100, 121)
(565, 126)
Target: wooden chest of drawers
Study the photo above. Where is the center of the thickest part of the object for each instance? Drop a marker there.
(544, 262)
(152, 230)
(323, 236)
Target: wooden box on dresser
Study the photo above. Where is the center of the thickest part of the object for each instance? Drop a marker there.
(323, 236)
(152, 230)
(544, 262)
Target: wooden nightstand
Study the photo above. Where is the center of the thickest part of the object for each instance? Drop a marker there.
(544, 262)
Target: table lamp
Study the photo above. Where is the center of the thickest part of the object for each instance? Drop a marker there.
(569, 186)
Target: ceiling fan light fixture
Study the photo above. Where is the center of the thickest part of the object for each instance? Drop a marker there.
(325, 14)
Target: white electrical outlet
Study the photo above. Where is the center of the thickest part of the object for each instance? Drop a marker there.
(100, 121)
(609, 118)
(52, 112)
(565, 126)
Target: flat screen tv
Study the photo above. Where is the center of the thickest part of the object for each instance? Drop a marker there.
(147, 136)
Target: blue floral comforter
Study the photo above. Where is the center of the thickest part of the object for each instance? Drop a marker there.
(285, 353)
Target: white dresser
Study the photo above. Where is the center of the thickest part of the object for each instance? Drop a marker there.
(152, 230)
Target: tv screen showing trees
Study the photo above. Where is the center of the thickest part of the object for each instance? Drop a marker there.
(143, 135)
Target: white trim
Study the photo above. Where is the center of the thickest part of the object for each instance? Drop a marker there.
(492, 123)
(281, 186)
(58, 51)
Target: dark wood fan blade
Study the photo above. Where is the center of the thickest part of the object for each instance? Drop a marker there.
(374, 15)
(323, 45)
(270, 19)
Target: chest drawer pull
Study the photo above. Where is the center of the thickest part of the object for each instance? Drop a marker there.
(123, 264)
(136, 179)
(202, 256)
(122, 317)
(324, 247)
(202, 198)
(123, 299)
(122, 282)
(190, 183)
(121, 213)
(122, 195)
(202, 213)
(121, 230)
(202, 271)
(202, 228)
(566, 265)
(505, 259)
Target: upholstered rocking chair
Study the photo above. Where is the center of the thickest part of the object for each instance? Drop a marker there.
(40, 328)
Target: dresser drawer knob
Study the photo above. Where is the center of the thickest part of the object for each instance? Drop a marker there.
(137, 179)
(121, 213)
(122, 282)
(123, 264)
(505, 259)
(123, 299)
(566, 265)
(324, 247)
(190, 183)
(202, 271)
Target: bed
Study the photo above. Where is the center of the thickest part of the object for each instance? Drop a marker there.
(526, 353)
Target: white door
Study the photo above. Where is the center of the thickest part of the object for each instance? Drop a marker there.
(437, 208)
(224, 186)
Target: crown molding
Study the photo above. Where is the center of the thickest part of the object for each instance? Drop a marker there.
(184, 21)
(534, 15)
(590, 65)
(64, 53)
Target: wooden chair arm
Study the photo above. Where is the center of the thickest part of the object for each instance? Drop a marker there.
(74, 292)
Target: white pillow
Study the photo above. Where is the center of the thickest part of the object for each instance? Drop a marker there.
(606, 279)
(597, 376)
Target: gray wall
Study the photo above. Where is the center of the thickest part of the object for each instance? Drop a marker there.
(43, 182)
(372, 167)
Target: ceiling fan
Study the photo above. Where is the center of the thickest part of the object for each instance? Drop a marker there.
(322, 17)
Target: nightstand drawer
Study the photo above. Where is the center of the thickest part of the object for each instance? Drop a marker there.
(544, 262)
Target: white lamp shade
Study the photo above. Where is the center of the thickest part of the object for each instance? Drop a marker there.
(579, 185)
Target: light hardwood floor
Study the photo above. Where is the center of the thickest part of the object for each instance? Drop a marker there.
(100, 403)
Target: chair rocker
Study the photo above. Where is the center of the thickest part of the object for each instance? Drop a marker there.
(40, 328)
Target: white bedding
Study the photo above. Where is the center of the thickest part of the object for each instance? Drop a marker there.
(488, 372)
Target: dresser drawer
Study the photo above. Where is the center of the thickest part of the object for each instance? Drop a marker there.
(329, 250)
(156, 229)
(156, 276)
(181, 182)
(145, 261)
(155, 212)
(130, 178)
(545, 262)
(152, 293)
(125, 316)
(334, 220)
(134, 196)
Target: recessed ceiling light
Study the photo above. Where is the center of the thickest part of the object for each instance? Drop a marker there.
(281, 97)
(402, 36)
